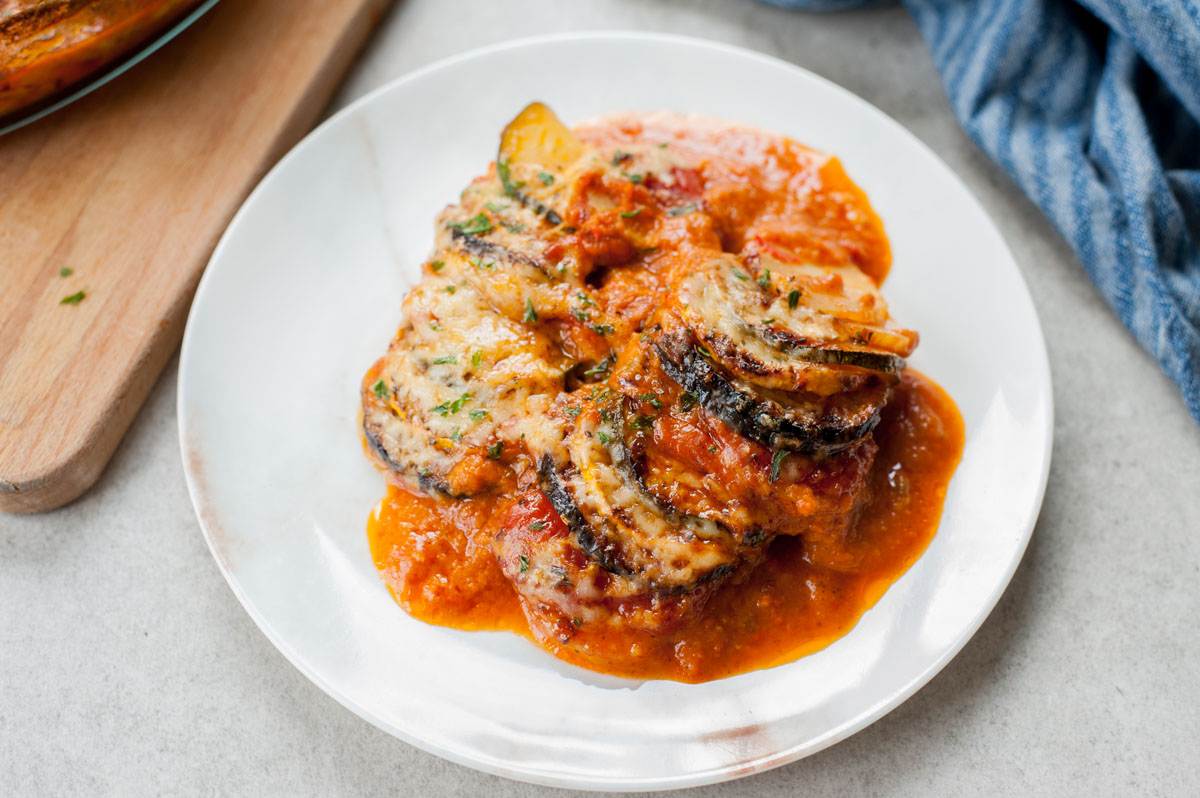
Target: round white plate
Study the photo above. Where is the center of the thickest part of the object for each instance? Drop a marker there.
(304, 291)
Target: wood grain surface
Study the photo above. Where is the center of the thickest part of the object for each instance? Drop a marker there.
(129, 189)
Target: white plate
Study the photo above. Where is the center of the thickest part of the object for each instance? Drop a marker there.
(304, 291)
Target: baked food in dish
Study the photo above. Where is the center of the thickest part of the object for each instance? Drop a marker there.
(648, 404)
(48, 46)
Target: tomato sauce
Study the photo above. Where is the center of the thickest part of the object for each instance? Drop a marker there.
(434, 554)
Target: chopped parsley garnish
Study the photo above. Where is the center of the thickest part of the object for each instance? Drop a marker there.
(601, 329)
(793, 298)
(637, 177)
(687, 400)
(581, 314)
(441, 361)
(601, 368)
(682, 210)
(65, 272)
(546, 178)
(764, 279)
(450, 290)
(755, 539)
(531, 315)
(641, 422)
(478, 415)
(619, 156)
(433, 325)
(510, 188)
(476, 261)
(73, 299)
(536, 525)
(437, 265)
(651, 399)
(477, 359)
(740, 275)
(777, 461)
(477, 225)
(495, 449)
(380, 389)
(663, 146)
(630, 214)
(577, 622)
(424, 471)
(768, 321)
(704, 350)
(586, 300)
(573, 411)
(524, 563)
(513, 227)
(456, 435)
(449, 408)
(603, 436)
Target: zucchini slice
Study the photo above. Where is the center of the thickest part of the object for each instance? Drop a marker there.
(457, 379)
(764, 330)
(620, 525)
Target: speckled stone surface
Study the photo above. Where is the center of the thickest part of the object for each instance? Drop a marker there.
(127, 667)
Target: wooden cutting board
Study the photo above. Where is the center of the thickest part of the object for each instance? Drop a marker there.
(130, 189)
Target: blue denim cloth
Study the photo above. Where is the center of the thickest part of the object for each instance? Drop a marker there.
(1093, 108)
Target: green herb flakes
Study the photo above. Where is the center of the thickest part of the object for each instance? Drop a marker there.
(65, 272)
(546, 178)
(441, 361)
(452, 407)
(536, 525)
(524, 563)
(776, 462)
(651, 400)
(630, 214)
(477, 225)
(793, 298)
(688, 400)
(531, 315)
(494, 451)
(380, 389)
(73, 299)
(764, 279)
(682, 210)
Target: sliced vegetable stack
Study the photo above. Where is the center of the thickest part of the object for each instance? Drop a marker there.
(616, 334)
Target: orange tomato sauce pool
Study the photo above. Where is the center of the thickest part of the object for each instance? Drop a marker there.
(435, 556)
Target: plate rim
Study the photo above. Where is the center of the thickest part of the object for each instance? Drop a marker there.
(513, 770)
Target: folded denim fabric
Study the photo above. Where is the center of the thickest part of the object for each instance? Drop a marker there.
(1093, 108)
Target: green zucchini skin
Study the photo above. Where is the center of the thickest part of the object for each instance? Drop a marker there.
(821, 427)
(882, 362)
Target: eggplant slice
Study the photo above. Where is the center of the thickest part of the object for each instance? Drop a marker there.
(456, 380)
(796, 422)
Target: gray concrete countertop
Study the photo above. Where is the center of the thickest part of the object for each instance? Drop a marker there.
(127, 667)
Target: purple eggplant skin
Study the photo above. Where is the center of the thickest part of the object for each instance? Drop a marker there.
(808, 428)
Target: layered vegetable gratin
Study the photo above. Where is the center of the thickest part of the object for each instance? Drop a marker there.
(49, 46)
(648, 407)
